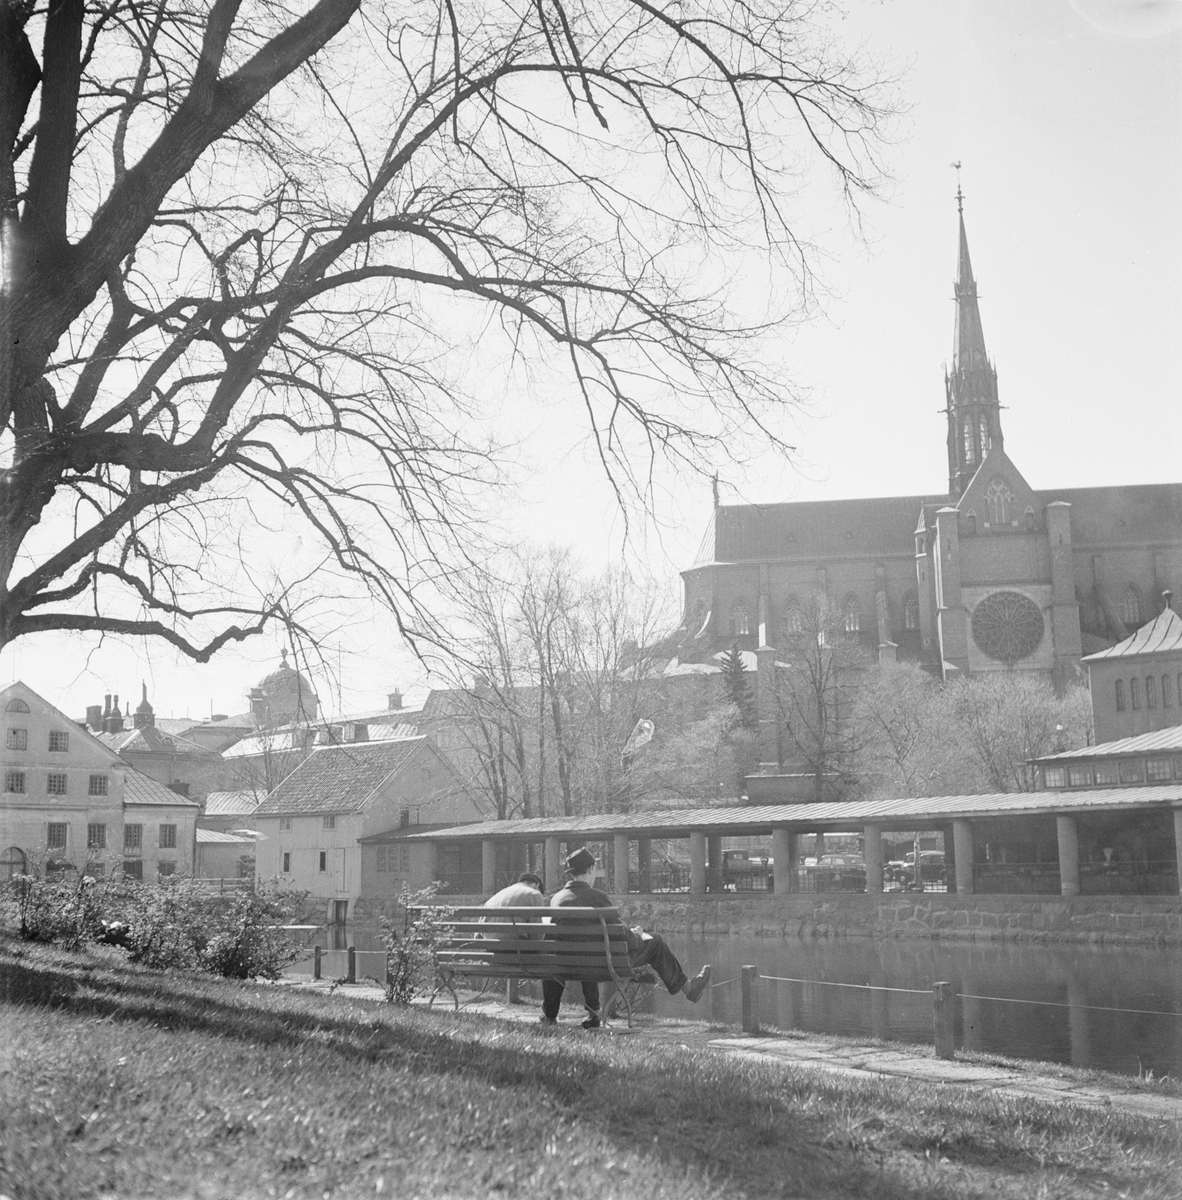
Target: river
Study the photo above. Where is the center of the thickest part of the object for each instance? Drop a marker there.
(1076, 986)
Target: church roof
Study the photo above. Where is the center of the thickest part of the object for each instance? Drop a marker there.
(816, 528)
(1162, 634)
(968, 347)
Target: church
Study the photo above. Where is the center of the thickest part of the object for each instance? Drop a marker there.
(992, 576)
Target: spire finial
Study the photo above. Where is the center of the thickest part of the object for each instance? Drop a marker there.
(959, 193)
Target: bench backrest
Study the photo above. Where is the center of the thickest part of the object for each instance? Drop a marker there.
(577, 944)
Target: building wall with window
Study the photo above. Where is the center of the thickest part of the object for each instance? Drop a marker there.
(62, 803)
(159, 830)
(1136, 684)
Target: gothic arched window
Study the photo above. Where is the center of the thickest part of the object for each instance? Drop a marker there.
(1135, 693)
(1120, 695)
(1130, 606)
(911, 613)
(998, 497)
(793, 622)
(970, 523)
(851, 614)
(969, 456)
(1150, 691)
(983, 430)
(1167, 698)
(741, 621)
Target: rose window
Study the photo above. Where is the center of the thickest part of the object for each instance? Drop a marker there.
(1007, 626)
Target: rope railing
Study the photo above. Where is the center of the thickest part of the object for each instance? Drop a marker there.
(869, 987)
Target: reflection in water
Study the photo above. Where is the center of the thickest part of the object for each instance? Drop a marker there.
(1144, 978)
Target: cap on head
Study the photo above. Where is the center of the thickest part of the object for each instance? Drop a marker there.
(580, 862)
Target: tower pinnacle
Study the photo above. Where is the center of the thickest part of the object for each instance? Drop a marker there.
(974, 420)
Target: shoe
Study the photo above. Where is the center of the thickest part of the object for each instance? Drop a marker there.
(545, 1020)
(592, 1023)
(697, 985)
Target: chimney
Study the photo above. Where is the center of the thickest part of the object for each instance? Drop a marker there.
(1167, 596)
(394, 700)
(94, 717)
(258, 704)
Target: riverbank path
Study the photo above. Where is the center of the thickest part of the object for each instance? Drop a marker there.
(849, 1057)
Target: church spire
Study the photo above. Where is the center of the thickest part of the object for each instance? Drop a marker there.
(974, 418)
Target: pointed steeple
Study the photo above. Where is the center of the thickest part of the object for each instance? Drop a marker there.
(974, 417)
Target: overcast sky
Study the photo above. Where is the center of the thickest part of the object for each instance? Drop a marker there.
(1067, 118)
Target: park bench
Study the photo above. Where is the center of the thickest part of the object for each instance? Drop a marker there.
(575, 945)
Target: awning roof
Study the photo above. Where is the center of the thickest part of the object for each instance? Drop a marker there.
(914, 813)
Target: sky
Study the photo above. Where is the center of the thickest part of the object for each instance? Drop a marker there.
(1066, 117)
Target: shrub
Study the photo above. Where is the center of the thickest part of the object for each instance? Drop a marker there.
(247, 939)
(57, 907)
(411, 950)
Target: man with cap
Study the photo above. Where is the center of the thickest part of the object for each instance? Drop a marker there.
(644, 949)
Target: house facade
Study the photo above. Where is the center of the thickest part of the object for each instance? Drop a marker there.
(71, 803)
(312, 824)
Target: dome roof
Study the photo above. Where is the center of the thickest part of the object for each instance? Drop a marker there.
(288, 693)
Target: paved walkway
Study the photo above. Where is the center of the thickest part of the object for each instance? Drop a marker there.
(847, 1057)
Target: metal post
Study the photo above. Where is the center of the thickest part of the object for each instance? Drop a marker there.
(943, 1020)
(511, 986)
(351, 970)
(316, 962)
(749, 976)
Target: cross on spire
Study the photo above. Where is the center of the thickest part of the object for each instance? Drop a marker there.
(959, 193)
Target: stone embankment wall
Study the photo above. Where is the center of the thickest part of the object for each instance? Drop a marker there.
(1108, 919)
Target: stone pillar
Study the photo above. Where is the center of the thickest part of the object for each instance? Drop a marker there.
(1068, 856)
(714, 868)
(698, 864)
(784, 861)
(819, 848)
(962, 850)
(488, 866)
(1178, 849)
(620, 862)
(872, 854)
(644, 864)
(553, 870)
(951, 617)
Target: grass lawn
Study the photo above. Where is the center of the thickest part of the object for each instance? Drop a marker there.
(121, 1082)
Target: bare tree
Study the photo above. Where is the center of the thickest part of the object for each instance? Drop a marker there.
(1005, 720)
(814, 693)
(242, 244)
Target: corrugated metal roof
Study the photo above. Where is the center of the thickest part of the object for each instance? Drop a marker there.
(230, 804)
(139, 788)
(910, 813)
(213, 837)
(1143, 743)
(338, 779)
(1162, 634)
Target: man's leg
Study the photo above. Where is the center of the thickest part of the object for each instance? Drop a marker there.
(551, 998)
(654, 952)
(591, 1000)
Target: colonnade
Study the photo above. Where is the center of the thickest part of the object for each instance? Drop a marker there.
(706, 857)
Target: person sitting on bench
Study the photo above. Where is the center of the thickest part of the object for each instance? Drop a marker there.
(644, 949)
(526, 891)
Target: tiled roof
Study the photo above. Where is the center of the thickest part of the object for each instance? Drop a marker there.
(230, 804)
(339, 779)
(1143, 743)
(139, 788)
(913, 813)
(1162, 634)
